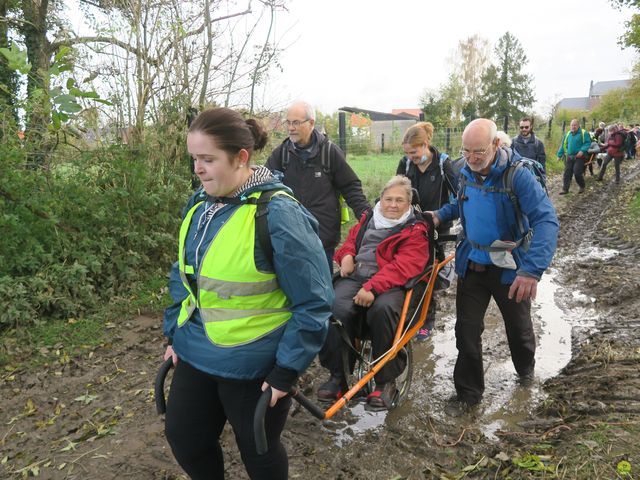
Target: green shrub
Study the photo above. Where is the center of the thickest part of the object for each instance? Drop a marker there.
(82, 232)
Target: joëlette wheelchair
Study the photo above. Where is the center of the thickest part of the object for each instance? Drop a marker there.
(366, 367)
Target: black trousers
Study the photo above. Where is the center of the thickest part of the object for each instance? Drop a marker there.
(472, 299)
(616, 163)
(380, 322)
(573, 166)
(199, 406)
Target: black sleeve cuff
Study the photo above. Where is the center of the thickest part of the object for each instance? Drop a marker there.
(169, 341)
(282, 378)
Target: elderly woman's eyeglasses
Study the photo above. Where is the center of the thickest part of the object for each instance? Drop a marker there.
(466, 153)
(295, 123)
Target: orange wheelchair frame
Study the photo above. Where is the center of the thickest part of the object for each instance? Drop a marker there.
(402, 336)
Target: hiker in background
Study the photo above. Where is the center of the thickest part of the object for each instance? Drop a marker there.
(316, 170)
(574, 148)
(492, 260)
(615, 152)
(631, 142)
(432, 175)
(599, 138)
(527, 144)
(503, 139)
(598, 135)
(245, 317)
(594, 151)
(386, 249)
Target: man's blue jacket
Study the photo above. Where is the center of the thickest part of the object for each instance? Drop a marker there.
(490, 216)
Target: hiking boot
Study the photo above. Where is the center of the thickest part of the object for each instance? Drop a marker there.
(457, 406)
(423, 334)
(599, 179)
(526, 380)
(383, 397)
(332, 389)
(581, 190)
(564, 192)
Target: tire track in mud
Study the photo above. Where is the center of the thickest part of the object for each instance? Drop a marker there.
(602, 377)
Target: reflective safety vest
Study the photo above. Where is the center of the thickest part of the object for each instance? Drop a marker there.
(238, 304)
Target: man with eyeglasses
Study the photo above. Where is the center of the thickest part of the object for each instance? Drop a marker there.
(317, 172)
(494, 260)
(527, 144)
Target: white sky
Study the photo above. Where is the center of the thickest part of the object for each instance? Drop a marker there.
(381, 54)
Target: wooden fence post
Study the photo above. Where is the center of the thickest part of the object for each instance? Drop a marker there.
(342, 131)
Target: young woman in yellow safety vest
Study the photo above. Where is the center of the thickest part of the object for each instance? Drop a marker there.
(243, 319)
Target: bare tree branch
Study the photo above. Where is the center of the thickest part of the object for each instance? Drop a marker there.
(201, 28)
(99, 39)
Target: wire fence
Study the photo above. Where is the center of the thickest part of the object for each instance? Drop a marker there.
(377, 138)
(371, 141)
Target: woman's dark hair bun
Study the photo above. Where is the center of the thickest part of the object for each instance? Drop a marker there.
(259, 133)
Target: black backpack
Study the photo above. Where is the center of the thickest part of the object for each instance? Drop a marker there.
(629, 140)
(325, 158)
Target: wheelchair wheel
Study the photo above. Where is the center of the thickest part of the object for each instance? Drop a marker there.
(403, 382)
(362, 367)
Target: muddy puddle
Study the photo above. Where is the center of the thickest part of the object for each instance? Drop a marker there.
(557, 312)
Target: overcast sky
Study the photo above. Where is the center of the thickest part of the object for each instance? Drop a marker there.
(382, 54)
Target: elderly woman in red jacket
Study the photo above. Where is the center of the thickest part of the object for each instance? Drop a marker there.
(387, 248)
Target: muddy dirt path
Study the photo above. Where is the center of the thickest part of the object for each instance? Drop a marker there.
(92, 416)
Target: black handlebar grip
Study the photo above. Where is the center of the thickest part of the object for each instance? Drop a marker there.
(259, 434)
(161, 405)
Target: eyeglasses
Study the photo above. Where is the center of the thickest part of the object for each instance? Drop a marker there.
(466, 153)
(295, 123)
(524, 127)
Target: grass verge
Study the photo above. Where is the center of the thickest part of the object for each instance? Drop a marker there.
(26, 347)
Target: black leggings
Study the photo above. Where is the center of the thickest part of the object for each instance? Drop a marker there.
(199, 406)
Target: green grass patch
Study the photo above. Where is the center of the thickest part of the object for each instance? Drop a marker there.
(374, 171)
(634, 206)
(43, 341)
(554, 166)
(151, 297)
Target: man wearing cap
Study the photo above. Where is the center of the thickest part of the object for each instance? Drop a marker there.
(503, 253)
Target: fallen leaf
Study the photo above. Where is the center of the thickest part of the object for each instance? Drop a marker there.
(503, 457)
(86, 398)
(70, 446)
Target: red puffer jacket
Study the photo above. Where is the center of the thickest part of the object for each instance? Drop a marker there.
(614, 145)
(400, 257)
